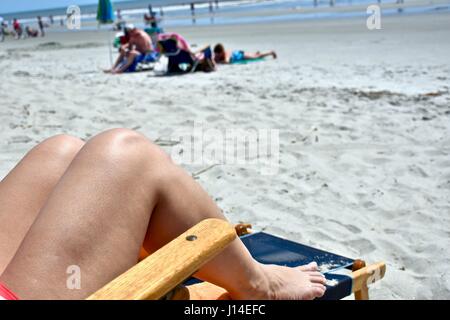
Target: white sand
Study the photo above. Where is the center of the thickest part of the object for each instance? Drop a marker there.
(365, 152)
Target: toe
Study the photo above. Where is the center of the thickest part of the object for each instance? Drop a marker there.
(320, 279)
(314, 273)
(319, 291)
(309, 267)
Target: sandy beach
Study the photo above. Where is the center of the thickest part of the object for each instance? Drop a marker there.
(363, 119)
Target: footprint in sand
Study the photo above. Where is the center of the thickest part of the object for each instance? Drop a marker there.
(378, 161)
(418, 171)
(364, 246)
(19, 139)
(349, 227)
(368, 204)
(215, 118)
(22, 74)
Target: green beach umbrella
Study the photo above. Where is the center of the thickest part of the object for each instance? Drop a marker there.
(105, 12)
(105, 15)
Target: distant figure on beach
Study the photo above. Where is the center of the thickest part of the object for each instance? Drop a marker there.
(193, 12)
(17, 28)
(138, 47)
(120, 24)
(211, 12)
(41, 26)
(2, 34)
(32, 33)
(399, 9)
(52, 21)
(4, 31)
(225, 56)
(150, 18)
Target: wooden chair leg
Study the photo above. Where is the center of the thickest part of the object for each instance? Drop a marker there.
(363, 275)
(362, 294)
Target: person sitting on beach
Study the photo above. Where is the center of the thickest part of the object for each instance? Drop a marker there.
(203, 55)
(94, 205)
(138, 47)
(6, 31)
(224, 56)
(32, 33)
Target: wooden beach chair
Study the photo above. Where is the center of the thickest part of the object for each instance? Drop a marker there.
(166, 274)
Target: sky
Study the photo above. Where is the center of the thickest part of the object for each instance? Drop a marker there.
(30, 5)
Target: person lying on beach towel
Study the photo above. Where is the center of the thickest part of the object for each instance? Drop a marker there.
(70, 207)
(225, 56)
(139, 48)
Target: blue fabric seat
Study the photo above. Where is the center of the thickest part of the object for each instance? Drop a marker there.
(269, 249)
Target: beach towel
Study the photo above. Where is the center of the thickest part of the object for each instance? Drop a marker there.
(246, 61)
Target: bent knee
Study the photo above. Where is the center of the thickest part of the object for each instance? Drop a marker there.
(126, 145)
(60, 147)
(120, 139)
(133, 54)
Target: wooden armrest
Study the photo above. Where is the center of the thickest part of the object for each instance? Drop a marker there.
(162, 271)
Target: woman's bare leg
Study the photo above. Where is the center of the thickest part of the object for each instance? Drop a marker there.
(120, 191)
(25, 189)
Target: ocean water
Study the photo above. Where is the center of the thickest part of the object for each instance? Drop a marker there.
(178, 12)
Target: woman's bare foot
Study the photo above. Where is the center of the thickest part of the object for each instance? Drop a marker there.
(283, 283)
(301, 283)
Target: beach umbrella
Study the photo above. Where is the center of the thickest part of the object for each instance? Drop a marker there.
(105, 12)
(105, 15)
